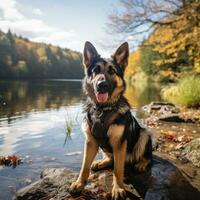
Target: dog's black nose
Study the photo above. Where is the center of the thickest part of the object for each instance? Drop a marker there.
(102, 86)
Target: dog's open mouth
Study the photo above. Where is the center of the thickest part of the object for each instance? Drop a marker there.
(102, 97)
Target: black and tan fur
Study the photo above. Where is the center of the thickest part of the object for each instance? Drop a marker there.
(122, 139)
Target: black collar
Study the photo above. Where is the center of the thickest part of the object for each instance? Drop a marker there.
(101, 110)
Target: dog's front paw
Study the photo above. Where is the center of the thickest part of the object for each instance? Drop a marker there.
(96, 165)
(118, 193)
(76, 187)
(101, 164)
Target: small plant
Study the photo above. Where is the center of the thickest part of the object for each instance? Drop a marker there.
(185, 93)
(68, 130)
(71, 121)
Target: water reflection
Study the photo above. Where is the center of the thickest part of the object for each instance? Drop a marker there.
(29, 109)
(21, 97)
(40, 136)
(142, 93)
(33, 118)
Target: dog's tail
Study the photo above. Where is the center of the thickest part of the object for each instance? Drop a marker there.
(140, 146)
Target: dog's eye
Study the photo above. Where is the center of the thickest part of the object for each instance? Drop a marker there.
(111, 71)
(96, 70)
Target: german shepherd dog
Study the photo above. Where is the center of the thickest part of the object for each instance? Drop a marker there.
(108, 122)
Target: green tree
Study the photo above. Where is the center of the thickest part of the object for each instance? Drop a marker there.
(148, 56)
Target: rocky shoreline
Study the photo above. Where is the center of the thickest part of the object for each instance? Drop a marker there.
(175, 173)
(168, 112)
(163, 181)
(176, 137)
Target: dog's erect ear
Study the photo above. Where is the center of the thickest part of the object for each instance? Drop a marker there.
(89, 53)
(121, 55)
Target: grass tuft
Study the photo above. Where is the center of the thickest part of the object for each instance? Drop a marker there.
(184, 93)
(68, 130)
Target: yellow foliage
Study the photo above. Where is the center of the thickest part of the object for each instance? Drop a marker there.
(41, 51)
(181, 37)
(133, 63)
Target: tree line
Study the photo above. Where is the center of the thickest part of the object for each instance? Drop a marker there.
(23, 59)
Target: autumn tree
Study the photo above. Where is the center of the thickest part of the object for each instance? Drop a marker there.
(21, 58)
(173, 27)
(148, 56)
(134, 63)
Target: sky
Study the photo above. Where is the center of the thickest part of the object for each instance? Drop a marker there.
(67, 23)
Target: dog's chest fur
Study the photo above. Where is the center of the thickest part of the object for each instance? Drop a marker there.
(98, 118)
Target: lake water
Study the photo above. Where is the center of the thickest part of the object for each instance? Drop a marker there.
(33, 118)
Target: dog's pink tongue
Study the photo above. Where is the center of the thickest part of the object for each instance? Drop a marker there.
(102, 98)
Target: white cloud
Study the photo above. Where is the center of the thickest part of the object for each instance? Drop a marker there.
(61, 38)
(9, 10)
(34, 26)
(34, 29)
(55, 36)
(37, 11)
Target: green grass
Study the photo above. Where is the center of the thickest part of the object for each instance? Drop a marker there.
(70, 123)
(68, 130)
(184, 93)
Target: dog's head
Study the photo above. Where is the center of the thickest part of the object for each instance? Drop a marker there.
(104, 82)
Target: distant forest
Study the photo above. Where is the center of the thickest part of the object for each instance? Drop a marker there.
(24, 59)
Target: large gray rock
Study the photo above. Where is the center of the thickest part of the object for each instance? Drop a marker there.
(53, 183)
(163, 181)
(167, 112)
(192, 152)
(160, 108)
